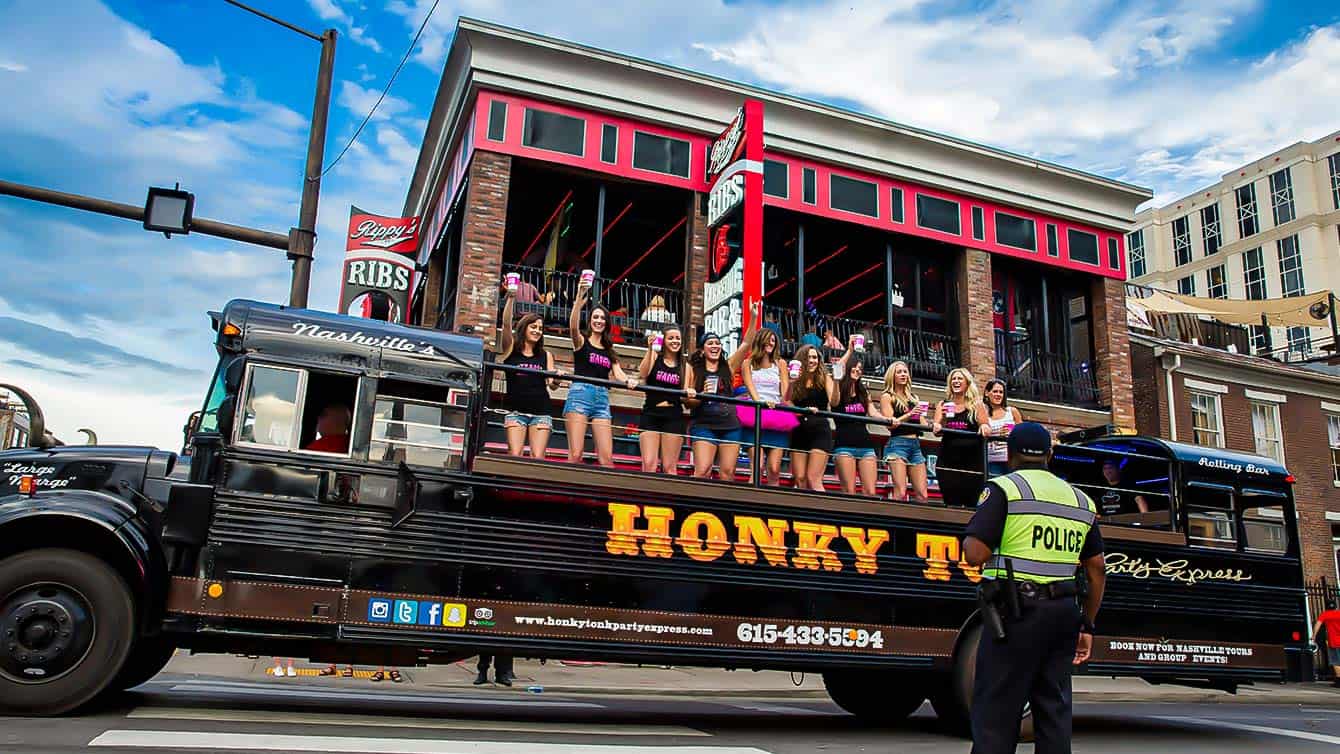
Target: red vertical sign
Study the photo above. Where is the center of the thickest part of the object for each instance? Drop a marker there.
(735, 226)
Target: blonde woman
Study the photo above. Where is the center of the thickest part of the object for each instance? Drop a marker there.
(902, 452)
(962, 407)
(767, 381)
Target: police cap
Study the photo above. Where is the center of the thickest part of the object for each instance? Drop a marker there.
(1030, 439)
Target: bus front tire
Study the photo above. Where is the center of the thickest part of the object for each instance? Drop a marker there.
(66, 628)
(952, 695)
(875, 696)
(147, 659)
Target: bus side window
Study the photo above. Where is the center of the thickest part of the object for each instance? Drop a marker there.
(417, 424)
(270, 406)
(1209, 516)
(1263, 525)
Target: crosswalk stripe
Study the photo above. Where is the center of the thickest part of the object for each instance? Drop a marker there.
(175, 739)
(1304, 735)
(334, 694)
(381, 721)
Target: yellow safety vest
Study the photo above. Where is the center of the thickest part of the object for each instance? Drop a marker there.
(1046, 522)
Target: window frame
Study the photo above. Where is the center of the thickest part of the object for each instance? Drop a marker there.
(300, 411)
(688, 147)
(1247, 211)
(874, 191)
(1187, 285)
(1210, 284)
(1132, 250)
(447, 404)
(1271, 411)
(1032, 224)
(978, 223)
(605, 129)
(1281, 197)
(897, 198)
(1231, 511)
(809, 186)
(526, 117)
(1216, 402)
(1250, 498)
(1295, 268)
(488, 131)
(1071, 234)
(1181, 240)
(958, 214)
(1333, 441)
(786, 179)
(1333, 161)
(1211, 234)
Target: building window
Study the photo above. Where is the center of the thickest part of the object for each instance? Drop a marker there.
(1181, 228)
(978, 224)
(851, 195)
(1291, 267)
(1187, 285)
(1019, 232)
(1334, 162)
(1300, 341)
(1281, 196)
(938, 214)
(660, 154)
(1053, 248)
(896, 202)
(1113, 254)
(1083, 246)
(1206, 427)
(1135, 250)
(1254, 274)
(554, 132)
(1266, 430)
(1217, 282)
(1333, 437)
(810, 185)
(775, 179)
(1209, 229)
(609, 143)
(497, 120)
(1246, 198)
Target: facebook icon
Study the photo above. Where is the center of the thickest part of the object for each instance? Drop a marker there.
(406, 611)
(379, 611)
(430, 613)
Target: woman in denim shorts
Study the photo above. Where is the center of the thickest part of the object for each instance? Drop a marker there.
(592, 356)
(527, 399)
(906, 413)
(854, 454)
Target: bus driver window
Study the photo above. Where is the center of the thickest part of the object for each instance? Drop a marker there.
(1209, 516)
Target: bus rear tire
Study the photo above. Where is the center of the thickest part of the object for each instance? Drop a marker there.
(876, 696)
(952, 696)
(147, 659)
(66, 627)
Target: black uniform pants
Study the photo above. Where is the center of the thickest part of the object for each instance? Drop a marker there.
(502, 664)
(1032, 665)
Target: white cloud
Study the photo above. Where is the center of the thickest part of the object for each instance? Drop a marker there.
(329, 10)
(12, 67)
(359, 101)
(365, 75)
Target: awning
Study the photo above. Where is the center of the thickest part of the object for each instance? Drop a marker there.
(1312, 310)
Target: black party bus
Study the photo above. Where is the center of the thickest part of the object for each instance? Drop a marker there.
(423, 542)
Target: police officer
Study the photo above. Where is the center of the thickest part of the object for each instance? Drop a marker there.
(1033, 525)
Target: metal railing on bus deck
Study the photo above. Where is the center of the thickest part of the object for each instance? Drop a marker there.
(929, 355)
(635, 307)
(968, 446)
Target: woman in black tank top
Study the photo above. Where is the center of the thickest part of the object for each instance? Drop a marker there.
(593, 356)
(527, 399)
(662, 422)
(812, 440)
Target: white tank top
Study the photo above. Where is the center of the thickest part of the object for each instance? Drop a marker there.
(997, 450)
(768, 383)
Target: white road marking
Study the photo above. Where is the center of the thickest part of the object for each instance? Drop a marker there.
(382, 721)
(1304, 735)
(334, 694)
(172, 739)
(779, 709)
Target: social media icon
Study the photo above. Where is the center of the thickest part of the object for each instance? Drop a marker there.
(379, 611)
(430, 613)
(484, 613)
(406, 611)
(453, 614)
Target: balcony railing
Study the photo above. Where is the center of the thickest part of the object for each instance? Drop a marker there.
(635, 307)
(1032, 373)
(929, 355)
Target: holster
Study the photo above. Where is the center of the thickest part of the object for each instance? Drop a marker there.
(988, 600)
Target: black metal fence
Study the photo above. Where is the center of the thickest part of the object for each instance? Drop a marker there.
(929, 355)
(1322, 595)
(635, 308)
(1033, 373)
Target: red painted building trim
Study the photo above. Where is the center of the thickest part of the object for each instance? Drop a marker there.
(698, 145)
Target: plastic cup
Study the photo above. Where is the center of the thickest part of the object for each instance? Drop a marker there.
(513, 281)
(658, 342)
(588, 277)
(858, 343)
(950, 409)
(794, 368)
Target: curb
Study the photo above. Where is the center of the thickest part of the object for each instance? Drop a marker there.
(658, 692)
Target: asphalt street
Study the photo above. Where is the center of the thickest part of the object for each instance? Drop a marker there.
(194, 713)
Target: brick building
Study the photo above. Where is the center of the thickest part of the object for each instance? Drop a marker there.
(1257, 405)
(544, 157)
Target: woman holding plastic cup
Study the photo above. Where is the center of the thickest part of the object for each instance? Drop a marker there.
(592, 356)
(853, 451)
(962, 407)
(812, 440)
(905, 412)
(528, 420)
(1001, 418)
(766, 382)
(661, 426)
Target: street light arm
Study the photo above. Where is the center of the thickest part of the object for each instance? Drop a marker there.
(272, 19)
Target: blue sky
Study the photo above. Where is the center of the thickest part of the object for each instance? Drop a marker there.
(105, 323)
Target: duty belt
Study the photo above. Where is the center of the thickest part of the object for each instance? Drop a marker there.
(1051, 591)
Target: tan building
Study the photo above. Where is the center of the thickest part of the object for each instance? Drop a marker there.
(13, 422)
(1266, 230)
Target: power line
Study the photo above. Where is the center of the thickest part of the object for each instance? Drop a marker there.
(385, 90)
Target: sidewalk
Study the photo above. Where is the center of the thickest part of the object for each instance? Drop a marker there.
(559, 677)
